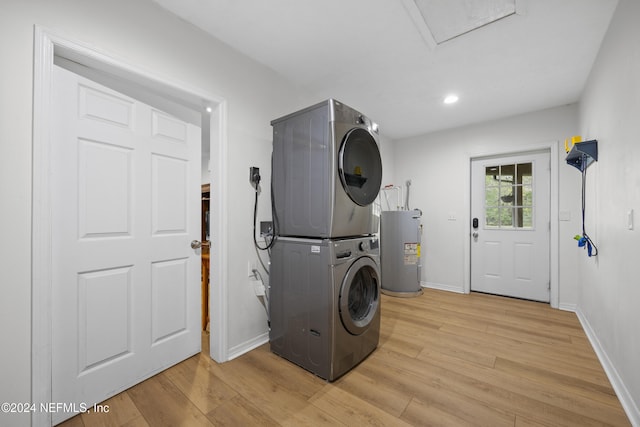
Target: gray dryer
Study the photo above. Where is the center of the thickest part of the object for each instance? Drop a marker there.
(326, 172)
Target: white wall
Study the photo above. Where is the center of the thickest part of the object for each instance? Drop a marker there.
(438, 165)
(144, 35)
(609, 285)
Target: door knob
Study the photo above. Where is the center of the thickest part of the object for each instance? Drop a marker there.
(196, 244)
(475, 234)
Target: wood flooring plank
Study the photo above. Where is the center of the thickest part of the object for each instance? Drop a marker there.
(435, 315)
(437, 389)
(500, 342)
(566, 324)
(416, 317)
(75, 421)
(239, 411)
(421, 414)
(137, 422)
(351, 410)
(457, 346)
(401, 344)
(114, 412)
(374, 391)
(163, 404)
(530, 335)
(199, 385)
(525, 422)
(561, 358)
(556, 361)
(312, 416)
(277, 400)
(121, 410)
(571, 384)
(298, 380)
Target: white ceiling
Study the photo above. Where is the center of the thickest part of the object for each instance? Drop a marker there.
(380, 57)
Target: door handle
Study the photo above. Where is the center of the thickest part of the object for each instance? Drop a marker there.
(475, 234)
(196, 244)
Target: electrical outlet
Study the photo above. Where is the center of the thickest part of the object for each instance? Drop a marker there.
(266, 228)
(254, 175)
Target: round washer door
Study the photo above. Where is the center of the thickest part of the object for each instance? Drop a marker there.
(360, 166)
(359, 295)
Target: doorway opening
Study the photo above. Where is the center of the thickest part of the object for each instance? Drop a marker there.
(49, 48)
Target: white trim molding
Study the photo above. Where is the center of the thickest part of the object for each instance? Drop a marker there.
(567, 307)
(443, 287)
(623, 393)
(247, 346)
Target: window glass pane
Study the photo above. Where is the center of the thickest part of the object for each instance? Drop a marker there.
(527, 217)
(492, 216)
(491, 176)
(507, 195)
(524, 173)
(491, 195)
(527, 195)
(506, 217)
(507, 173)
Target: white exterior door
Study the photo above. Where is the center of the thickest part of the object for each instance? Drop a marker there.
(125, 207)
(510, 202)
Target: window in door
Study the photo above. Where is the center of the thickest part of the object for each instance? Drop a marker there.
(508, 196)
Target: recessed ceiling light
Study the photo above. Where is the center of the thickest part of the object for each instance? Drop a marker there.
(451, 99)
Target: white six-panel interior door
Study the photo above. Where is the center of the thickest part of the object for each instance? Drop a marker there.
(125, 280)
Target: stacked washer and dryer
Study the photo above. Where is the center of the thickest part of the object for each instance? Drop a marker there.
(325, 274)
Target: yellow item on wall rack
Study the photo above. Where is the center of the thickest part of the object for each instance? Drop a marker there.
(573, 141)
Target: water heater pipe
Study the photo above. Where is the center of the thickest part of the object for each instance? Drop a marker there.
(406, 203)
(392, 187)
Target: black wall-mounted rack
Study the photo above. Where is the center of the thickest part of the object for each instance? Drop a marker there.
(582, 154)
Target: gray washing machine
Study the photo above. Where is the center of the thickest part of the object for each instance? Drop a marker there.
(326, 172)
(325, 302)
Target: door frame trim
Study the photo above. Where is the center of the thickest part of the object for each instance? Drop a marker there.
(553, 148)
(47, 45)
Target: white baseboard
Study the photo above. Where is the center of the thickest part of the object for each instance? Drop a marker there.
(567, 307)
(441, 287)
(629, 406)
(247, 346)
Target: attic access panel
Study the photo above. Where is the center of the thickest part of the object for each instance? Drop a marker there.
(448, 19)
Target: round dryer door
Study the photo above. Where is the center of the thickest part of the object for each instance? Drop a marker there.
(360, 166)
(359, 296)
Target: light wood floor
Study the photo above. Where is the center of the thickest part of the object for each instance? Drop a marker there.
(443, 359)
